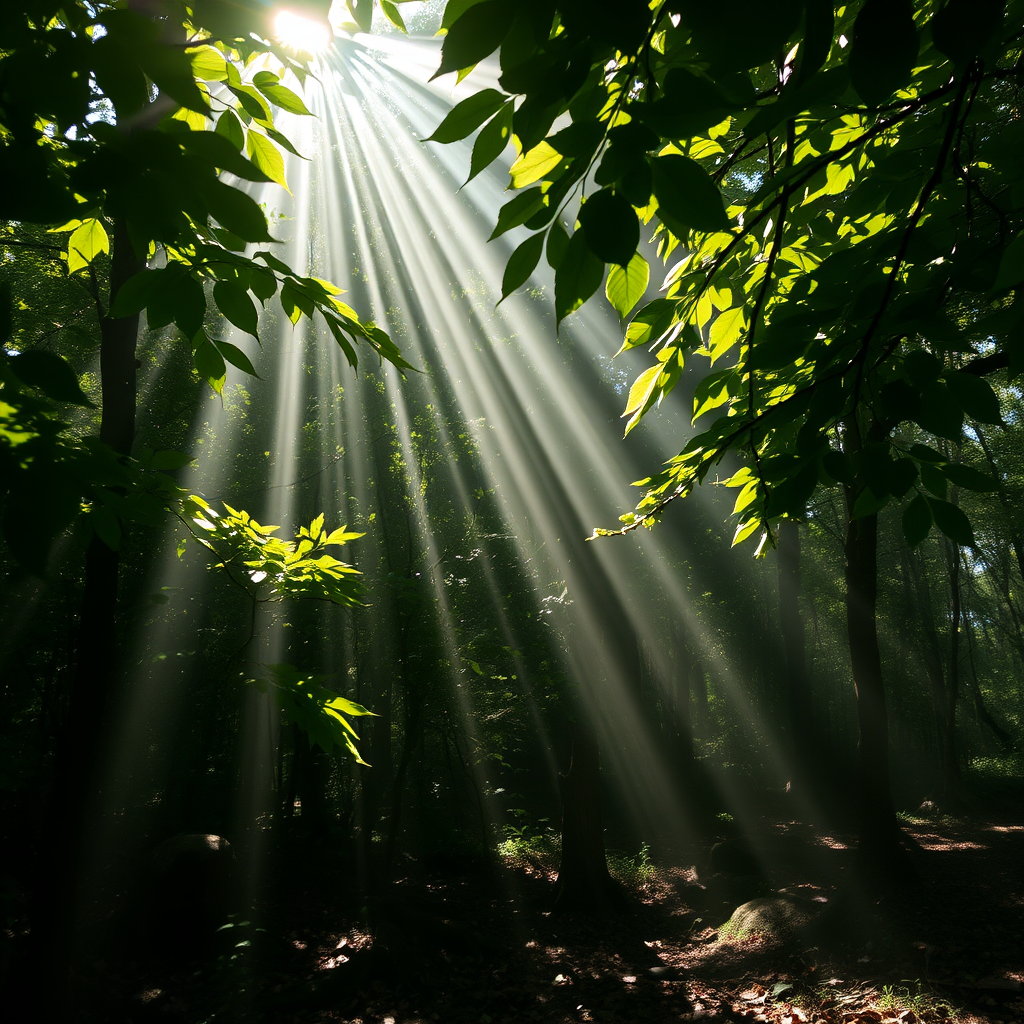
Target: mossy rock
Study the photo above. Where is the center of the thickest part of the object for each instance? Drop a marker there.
(779, 917)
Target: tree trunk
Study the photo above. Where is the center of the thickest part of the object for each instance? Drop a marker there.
(951, 771)
(583, 879)
(880, 844)
(73, 808)
(803, 743)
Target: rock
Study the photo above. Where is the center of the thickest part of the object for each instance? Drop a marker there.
(773, 916)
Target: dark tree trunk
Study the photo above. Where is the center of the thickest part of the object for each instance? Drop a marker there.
(804, 754)
(73, 810)
(880, 839)
(583, 879)
(951, 770)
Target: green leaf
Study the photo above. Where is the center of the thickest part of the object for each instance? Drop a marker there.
(236, 211)
(233, 301)
(522, 263)
(883, 49)
(465, 117)
(934, 479)
(975, 395)
(577, 277)
(209, 64)
(518, 210)
(134, 295)
(940, 412)
(168, 461)
(642, 395)
(189, 305)
(558, 242)
(611, 226)
(625, 286)
(220, 151)
(210, 364)
(963, 28)
(50, 373)
(235, 356)
(283, 97)
(475, 35)
(267, 157)
(969, 478)
(491, 142)
(231, 128)
(362, 13)
(687, 195)
(392, 13)
(952, 522)
(917, 521)
(1011, 266)
(87, 241)
(534, 164)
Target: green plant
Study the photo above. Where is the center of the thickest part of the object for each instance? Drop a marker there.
(635, 871)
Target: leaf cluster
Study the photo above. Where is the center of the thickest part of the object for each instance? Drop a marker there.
(837, 191)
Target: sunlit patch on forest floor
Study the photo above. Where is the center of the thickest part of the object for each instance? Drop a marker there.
(441, 945)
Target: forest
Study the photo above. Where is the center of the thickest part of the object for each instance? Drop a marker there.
(512, 510)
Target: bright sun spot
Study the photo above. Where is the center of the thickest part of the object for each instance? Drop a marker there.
(299, 33)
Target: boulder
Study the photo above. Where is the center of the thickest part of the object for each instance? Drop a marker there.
(780, 916)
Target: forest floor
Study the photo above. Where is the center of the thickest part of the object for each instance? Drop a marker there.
(455, 946)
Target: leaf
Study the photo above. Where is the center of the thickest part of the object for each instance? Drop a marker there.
(233, 301)
(1011, 266)
(975, 396)
(209, 64)
(283, 97)
(883, 49)
(87, 241)
(625, 286)
(952, 522)
(963, 28)
(969, 478)
(491, 142)
(687, 195)
(168, 461)
(522, 263)
(517, 211)
(475, 35)
(231, 128)
(236, 211)
(533, 165)
(917, 521)
(362, 13)
(465, 117)
(392, 13)
(235, 356)
(940, 413)
(611, 226)
(50, 373)
(209, 364)
(577, 277)
(642, 395)
(267, 157)
(134, 295)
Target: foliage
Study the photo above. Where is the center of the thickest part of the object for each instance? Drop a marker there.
(840, 189)
(265, 564)
(320, 713)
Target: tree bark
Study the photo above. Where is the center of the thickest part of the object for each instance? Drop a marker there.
(799, 718)
(583, 879)
(880, 844)
(73, 808)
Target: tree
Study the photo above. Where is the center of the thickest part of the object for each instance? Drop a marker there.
(840, 189)
(118, 120)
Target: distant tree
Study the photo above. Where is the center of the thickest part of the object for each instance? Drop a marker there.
(840, 189)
